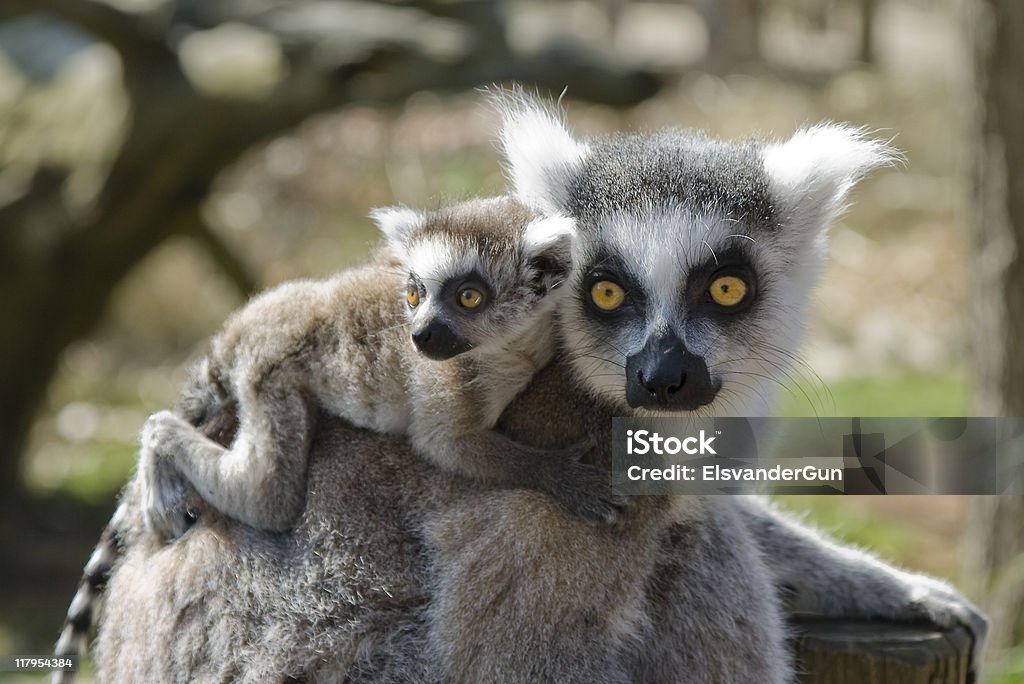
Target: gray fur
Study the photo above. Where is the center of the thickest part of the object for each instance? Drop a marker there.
(447, 580)
(343, 345)
(685, 168)
(396, 572)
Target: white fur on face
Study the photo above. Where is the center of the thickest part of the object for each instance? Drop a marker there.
(436, 261)
(661, 248)
(541, 154)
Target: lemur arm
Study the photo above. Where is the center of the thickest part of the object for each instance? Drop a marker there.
(822, 578)
(455, 408)
(474, 449)
(260, 480)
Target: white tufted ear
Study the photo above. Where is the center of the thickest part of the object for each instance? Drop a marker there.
(547, 247)
(397, 224)
(811, 173)
(551, 232)
(541, 155)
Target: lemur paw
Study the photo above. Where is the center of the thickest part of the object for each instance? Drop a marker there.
(941, 605)
(164, 490)
(585, 491)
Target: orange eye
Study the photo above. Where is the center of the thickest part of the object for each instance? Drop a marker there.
(471, 298)
(412, 296)
(728, 290)
(608, 296)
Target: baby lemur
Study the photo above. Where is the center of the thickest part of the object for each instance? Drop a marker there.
(471, 287)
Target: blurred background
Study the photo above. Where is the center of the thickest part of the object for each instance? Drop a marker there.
(161, 160)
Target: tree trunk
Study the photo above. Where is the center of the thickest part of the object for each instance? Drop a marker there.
(733, 32)
(997, 523)
(842, 652)
(866, 39)
(57, 271)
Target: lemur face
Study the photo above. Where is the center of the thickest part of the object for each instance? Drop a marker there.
(480, 272)
(683, 310)
(694, 258)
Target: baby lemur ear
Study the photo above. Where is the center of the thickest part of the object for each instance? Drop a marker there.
(547, 250)
(541, 155)
(398, 225)
(811, 174)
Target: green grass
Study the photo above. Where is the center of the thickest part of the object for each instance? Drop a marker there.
(98, 469)
(889, 538)
(909, 394)
(1010, 669)
(912, 394)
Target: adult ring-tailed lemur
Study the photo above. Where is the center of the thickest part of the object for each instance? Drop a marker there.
(397, 571)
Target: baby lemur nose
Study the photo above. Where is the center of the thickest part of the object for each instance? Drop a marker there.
(421, 337)
(438, 341)
(665, 375)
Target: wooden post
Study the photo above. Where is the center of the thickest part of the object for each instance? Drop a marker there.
(845, 652)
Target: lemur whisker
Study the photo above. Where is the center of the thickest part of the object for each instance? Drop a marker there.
(813, 378)
(754, 389)
(704, 237)
(715, 256)
(788, 388)
(797, 381)
(595, 357)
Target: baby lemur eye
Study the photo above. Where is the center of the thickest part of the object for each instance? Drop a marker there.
(607, 295)
(412, 296)
(728, 290)
(470, 298)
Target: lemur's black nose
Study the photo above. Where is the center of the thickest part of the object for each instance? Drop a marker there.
(438, 341)
(663, 384)
(664, 375)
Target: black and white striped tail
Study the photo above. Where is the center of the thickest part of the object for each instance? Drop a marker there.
(74, 638)
(206, 403)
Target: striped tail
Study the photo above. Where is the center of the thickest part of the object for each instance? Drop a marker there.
(207, 404)
(74, 637)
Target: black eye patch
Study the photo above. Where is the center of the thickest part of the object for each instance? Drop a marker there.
(735, 281)
(611, 269)
(454, 290)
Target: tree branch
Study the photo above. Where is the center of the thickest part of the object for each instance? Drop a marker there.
(192, 224)
(180, 139)
(125, 32)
